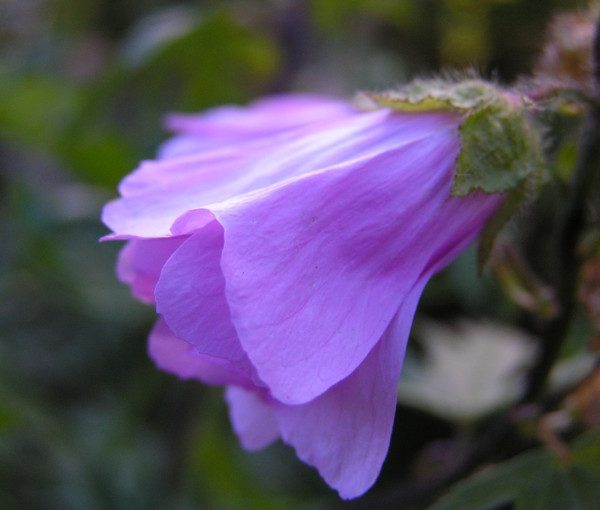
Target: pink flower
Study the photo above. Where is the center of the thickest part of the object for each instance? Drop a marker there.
(285, 246)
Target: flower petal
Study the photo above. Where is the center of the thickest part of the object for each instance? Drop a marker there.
(232, 134)
(252, 418)
(266, 116)
(190, 295)
(156, 194)
(345, 433)
(184, 145)
(140, 262)
(180, 358)
(317, 268)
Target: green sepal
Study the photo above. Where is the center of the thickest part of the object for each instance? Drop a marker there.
(501, 149)
(496, 223)
(500, 146)
(437, 94)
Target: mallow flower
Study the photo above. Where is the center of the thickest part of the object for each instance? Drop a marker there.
(285, 245)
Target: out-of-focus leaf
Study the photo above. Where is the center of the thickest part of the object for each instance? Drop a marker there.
(14, 413)
(463, 39)
(99, 155)
(155, 31)
(101, 130)
(500, 484)
(120, 119)
(54, 116)
(534, 481)
(334, 15)
(520, 284)
(218, 61)
(217, 464)
(35, 108)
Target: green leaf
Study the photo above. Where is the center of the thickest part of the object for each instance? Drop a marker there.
(535, 480)
(586, 453)
(118, 122)
(218, 467)
(34, 108)
(98, 154)
(218, 61)
(500, 484)
(586, 484)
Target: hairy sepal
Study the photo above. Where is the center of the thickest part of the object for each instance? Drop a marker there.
(501, 147)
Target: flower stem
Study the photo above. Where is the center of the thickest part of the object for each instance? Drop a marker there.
(567, 235)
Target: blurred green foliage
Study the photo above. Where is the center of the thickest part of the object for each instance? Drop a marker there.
(86, 421)
(535, 480)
